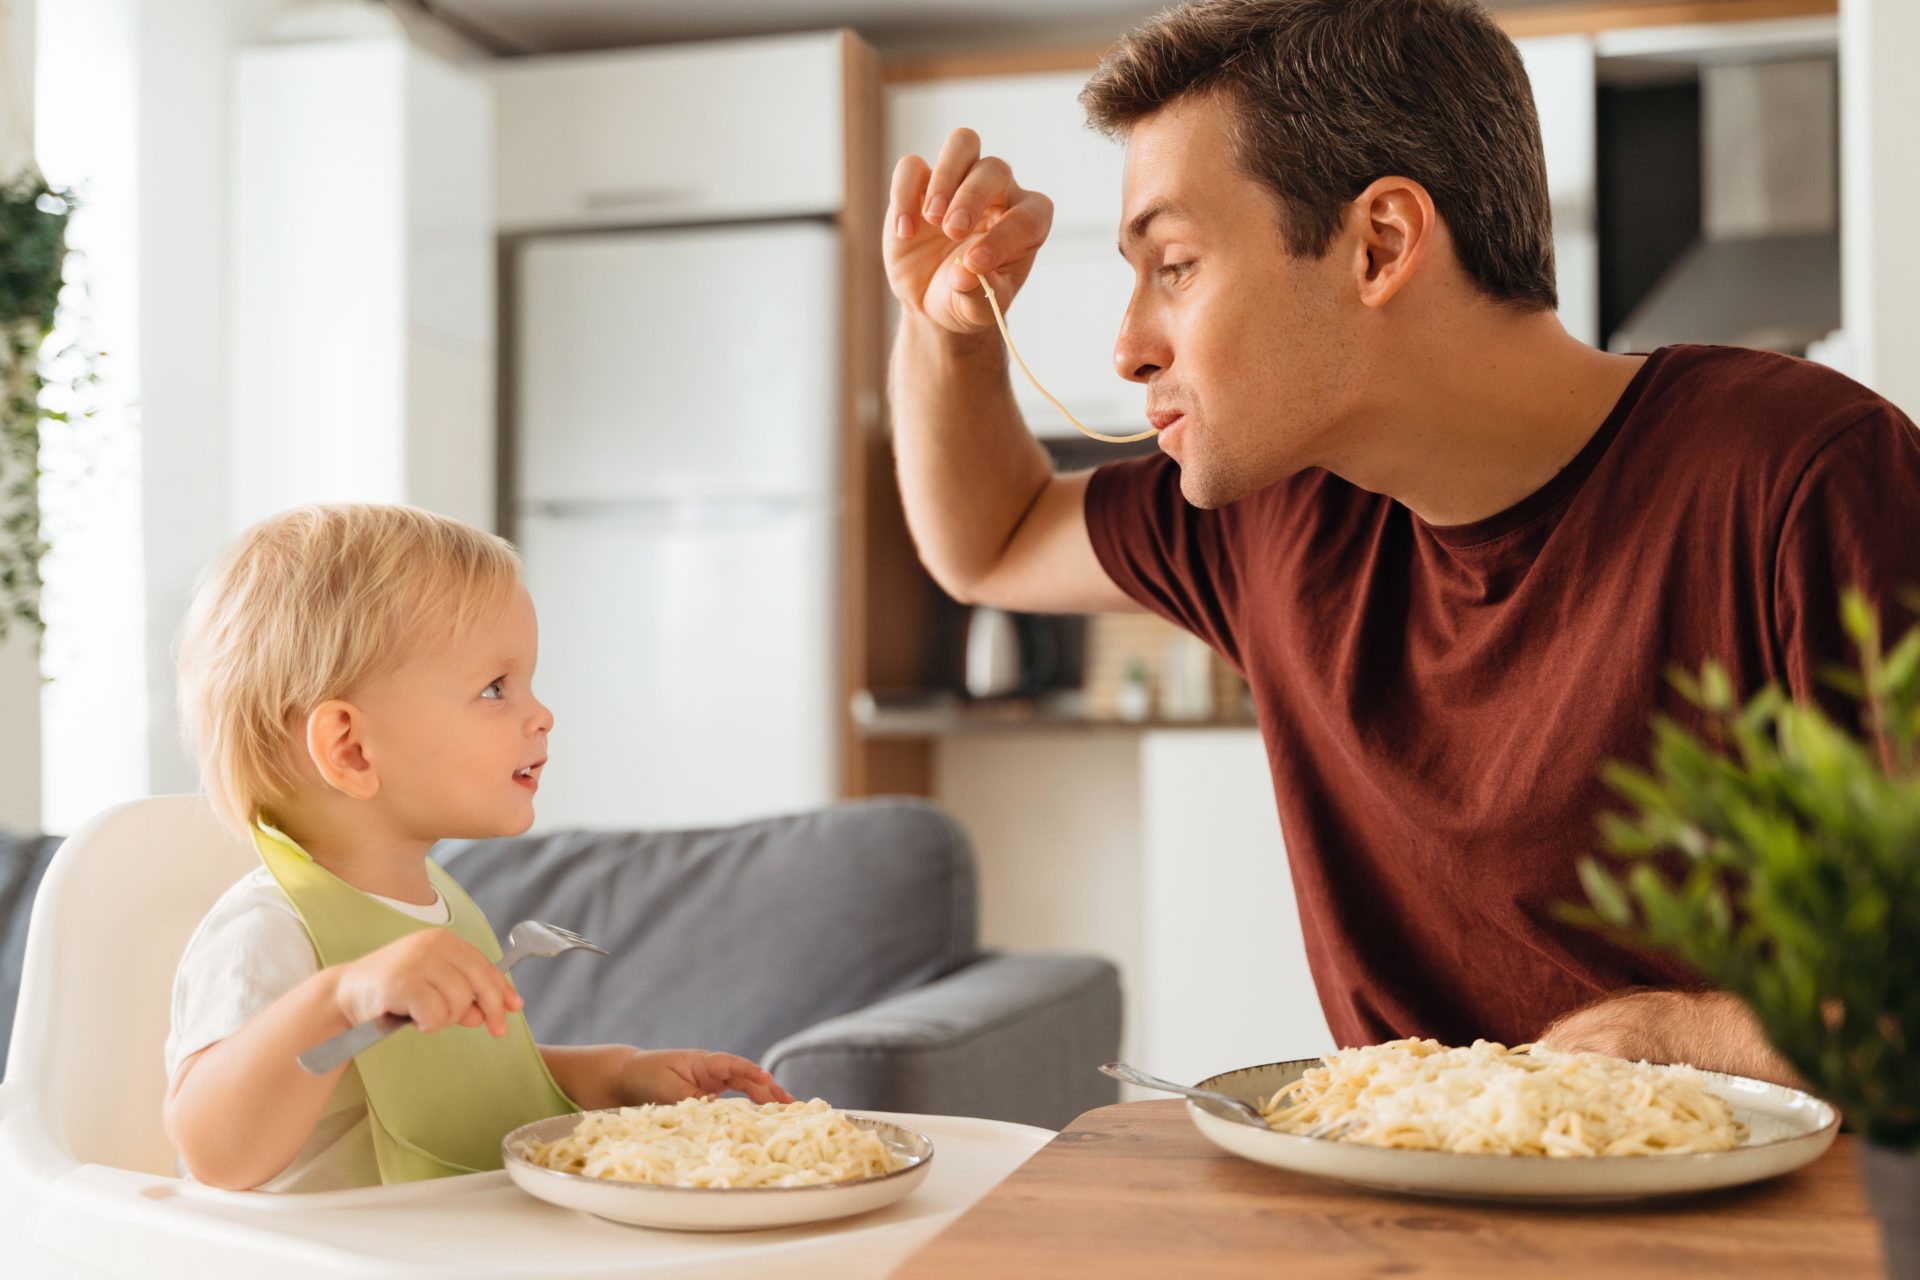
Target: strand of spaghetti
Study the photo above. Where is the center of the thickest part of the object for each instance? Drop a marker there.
(1000, 319)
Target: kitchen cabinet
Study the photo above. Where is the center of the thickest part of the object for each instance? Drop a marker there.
(362, 292)
(732, 129)
(1160, 849)
(1226, 978)
(695, 450)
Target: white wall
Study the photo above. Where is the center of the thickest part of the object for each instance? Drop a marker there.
(190, 422)
(93, 705)
(149, 102)
(1880, 256)
(186, 98)
(19, 656)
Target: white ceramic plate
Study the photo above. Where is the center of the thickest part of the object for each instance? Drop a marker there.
(714, 1208)
(1785, 1129)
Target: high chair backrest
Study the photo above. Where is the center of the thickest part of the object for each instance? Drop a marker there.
(112, 917)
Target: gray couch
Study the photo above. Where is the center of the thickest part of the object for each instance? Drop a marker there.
(836, 947)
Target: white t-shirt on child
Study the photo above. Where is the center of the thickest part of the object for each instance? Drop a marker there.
(249, 951)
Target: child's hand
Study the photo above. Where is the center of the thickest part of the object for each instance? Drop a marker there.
(671, 1075)
(433, 977)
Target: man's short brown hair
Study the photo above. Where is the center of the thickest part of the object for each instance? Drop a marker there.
(1329, 95)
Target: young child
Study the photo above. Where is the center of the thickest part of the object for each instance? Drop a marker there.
(357, 683)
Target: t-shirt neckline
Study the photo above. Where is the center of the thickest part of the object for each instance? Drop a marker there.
(1569, 478)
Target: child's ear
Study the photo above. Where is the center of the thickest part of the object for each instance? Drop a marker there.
(334, 745)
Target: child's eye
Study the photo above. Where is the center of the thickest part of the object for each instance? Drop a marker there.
(495, 690)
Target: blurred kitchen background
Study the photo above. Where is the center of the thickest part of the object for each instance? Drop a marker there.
(603, 275)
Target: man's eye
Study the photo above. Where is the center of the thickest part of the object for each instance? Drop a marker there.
(495, 690)
(1172, 272)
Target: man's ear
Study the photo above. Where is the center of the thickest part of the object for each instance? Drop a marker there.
(334, 743)
(1394, 224)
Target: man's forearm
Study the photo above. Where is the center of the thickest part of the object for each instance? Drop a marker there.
(969, 468)
(1711, 1030)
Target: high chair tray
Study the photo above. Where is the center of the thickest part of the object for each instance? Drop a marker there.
(94, 1221)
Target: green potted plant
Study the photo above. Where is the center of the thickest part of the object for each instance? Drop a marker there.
(33, 248)
(1778, 854)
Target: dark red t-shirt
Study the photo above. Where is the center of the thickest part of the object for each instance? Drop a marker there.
(1437, 702)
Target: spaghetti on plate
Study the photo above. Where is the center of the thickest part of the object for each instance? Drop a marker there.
(1492, 1100)
(718, 1143)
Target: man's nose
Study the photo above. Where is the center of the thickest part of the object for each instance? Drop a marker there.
(1140, 352)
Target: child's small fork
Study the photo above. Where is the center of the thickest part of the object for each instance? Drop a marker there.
(534, 938)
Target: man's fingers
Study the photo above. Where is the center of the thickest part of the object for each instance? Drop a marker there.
(986, 190)
(956, 158)
(1015, 234)
(907, 197)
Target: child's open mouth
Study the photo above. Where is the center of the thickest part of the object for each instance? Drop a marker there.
(529, 776)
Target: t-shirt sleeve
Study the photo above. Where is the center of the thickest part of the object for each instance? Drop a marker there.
(1853, 520)
(1170, 557)
(242, 959)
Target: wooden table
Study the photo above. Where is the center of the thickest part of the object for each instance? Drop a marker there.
(1134, 1190)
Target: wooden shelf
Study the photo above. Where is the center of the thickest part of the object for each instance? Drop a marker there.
(942, 715)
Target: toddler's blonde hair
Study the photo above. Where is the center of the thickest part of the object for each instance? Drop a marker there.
(301, 609)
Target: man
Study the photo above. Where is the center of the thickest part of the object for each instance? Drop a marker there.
(1453, 550)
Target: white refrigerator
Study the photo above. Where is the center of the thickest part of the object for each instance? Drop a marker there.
(673, 471)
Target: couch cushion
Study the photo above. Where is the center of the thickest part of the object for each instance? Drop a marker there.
(732, 938)
(23, 861)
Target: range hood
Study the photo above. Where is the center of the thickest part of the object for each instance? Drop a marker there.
(1766, 269)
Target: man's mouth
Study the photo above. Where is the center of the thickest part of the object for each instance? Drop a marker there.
(1161, 419)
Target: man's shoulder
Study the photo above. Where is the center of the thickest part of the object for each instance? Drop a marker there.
(1755, 413)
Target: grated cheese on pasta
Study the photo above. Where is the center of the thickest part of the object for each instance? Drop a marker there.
(725, 1142)
(1489, 1099)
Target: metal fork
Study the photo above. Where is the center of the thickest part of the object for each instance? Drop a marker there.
(1252, 1114)
(528, 938)
(1134, 1075)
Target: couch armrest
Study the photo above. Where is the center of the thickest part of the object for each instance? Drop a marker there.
(1009, 1037)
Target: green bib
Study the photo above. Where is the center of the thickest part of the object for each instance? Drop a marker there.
(438, 1104)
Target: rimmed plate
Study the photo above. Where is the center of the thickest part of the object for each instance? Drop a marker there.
(718, 1208)
(1785, 1129)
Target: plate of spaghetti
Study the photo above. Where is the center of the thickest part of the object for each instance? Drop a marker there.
(1527, 1123)
(718, 1164)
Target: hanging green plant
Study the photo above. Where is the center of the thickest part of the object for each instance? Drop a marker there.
(33, 249)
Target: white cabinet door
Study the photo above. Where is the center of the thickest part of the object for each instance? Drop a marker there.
(677, 363)
(1068, 314)
(740, 128)
(360, 281)
(686, 651)
(1562, 71)
(1226, 966)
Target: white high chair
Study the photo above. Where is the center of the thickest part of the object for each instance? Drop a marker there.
(88, 1186)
